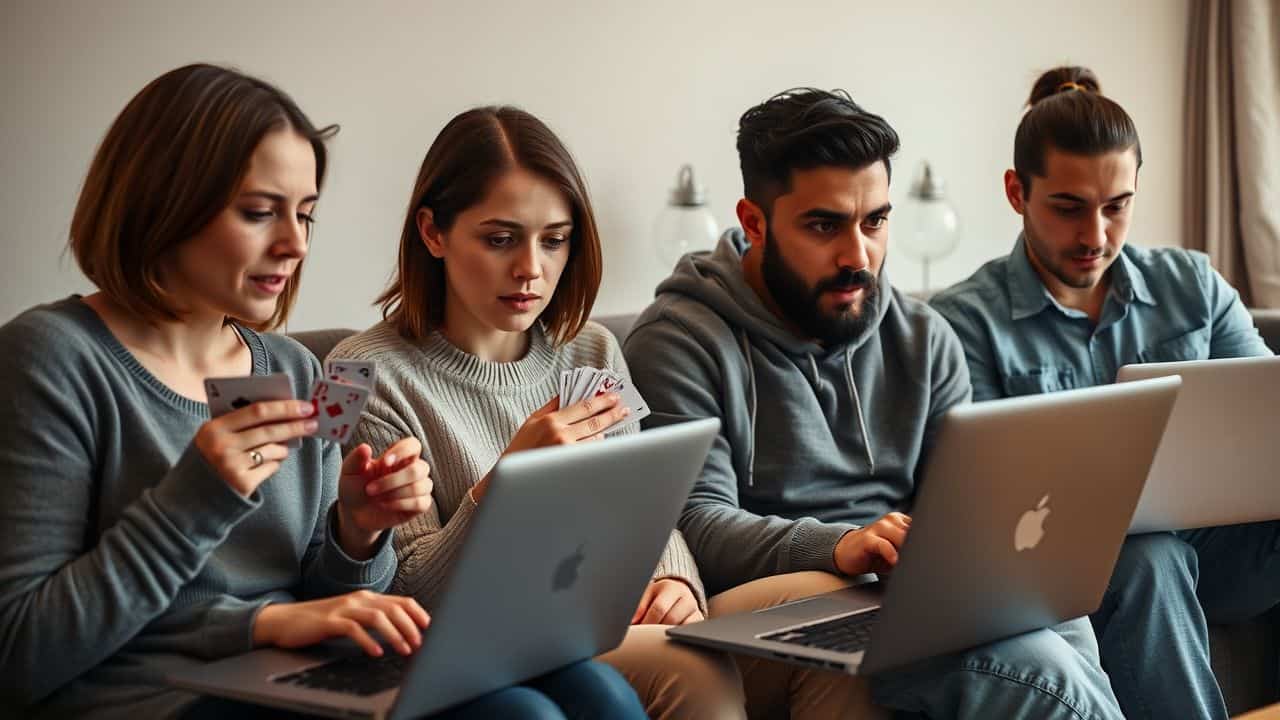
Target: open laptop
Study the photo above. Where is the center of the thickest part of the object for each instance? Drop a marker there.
(550, 573)
(1217, 464)
(1017, 523)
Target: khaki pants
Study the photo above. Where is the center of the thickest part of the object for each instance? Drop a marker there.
(676, 681)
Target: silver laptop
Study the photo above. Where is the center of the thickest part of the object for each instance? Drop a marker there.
(552, 569)
(1217, 464)
(1017, 523)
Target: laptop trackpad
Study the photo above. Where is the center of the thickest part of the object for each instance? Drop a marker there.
(833, 603)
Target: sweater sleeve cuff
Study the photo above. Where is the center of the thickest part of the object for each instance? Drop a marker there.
(375, 573)
(199, 503)
(813, 546)
(677, 562)
(228, 628)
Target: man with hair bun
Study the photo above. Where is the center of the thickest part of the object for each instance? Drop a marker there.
(1066, 309)
(830, 386)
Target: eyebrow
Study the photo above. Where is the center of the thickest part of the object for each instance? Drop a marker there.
(837, 216)
(277, 197)
(513, 225)
(1082, 201)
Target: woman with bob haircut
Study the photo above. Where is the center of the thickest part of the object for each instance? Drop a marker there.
(499, 265)
(139, 536)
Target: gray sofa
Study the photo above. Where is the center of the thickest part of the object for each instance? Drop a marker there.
(1246, 657)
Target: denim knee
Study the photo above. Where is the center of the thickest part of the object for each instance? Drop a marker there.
(591, 689)
(520, 703)
(1034, 675)
(1155, 561)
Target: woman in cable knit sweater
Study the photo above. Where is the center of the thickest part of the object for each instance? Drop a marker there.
(499, 267)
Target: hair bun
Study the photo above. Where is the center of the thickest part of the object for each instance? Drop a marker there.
(1064, 79)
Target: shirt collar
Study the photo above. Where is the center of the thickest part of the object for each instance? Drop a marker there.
(1027, 293)
(1127, 281)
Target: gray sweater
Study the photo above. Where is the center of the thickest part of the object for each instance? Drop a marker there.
(465, 411)
(815, 440)
(123, 555)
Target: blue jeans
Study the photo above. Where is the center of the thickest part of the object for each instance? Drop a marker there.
(588, 689)
(1152, 626)
(1051, 673)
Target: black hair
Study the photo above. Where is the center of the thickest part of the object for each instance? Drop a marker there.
(802, 129)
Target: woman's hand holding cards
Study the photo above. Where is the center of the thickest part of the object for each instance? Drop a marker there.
(376, 494)
(246, 446)
(550, 425)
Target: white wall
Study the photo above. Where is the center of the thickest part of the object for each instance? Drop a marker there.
(634, 89)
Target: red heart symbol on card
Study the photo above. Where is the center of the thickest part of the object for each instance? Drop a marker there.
(334, 410)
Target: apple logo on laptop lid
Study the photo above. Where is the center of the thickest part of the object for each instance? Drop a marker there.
(1030, 529)
(566, 573)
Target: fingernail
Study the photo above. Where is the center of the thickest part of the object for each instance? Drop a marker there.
(391, 459)
(371, 489)
(310, 425)
(306, 409)
(626, 411)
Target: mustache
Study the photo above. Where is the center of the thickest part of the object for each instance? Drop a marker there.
(1087, 254)
(846, 279)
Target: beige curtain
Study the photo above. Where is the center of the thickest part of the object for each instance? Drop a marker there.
(1232, 198)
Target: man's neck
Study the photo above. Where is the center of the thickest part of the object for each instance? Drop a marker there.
(1088, 300)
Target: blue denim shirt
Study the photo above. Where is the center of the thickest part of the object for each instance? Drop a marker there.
(1164, 304)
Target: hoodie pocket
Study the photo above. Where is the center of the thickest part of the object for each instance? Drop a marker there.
(1040, 380)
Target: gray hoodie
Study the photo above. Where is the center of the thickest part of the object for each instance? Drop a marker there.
(815, 440)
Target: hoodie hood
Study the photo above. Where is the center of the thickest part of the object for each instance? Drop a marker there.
(716, 279)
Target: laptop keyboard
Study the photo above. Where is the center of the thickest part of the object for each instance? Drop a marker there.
(357, 675)
(849, 633)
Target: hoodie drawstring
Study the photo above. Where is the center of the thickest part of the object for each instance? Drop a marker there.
(813, 364)
(857, 404)
(751, 409)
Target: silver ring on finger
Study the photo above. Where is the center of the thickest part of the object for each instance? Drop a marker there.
(255, 458)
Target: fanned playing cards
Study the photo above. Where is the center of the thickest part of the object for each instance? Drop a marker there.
(581, 383)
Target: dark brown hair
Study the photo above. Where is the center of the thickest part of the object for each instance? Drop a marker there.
(471, 151)
(172, 160)
(805, 128)
(1068, 111)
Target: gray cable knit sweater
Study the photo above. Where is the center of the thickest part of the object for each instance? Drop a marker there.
(123, 555)
(465, 411)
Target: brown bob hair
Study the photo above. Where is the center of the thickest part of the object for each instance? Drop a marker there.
(172, 160)
(472, 150)
(1068, 111)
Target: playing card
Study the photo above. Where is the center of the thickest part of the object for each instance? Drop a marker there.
(232, 393)
(631, 398)
(352, 372)
(564, 387)
(338, 407)
(605, 382)
(582, 386)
